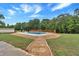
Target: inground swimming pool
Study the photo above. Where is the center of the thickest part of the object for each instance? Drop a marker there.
(35, 33)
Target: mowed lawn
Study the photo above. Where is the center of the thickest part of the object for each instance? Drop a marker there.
(15, 40)
(66, 45)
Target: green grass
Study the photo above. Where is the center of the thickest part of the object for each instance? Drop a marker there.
(15, 40)
(66, 45)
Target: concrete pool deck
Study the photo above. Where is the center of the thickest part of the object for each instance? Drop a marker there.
(47, 36)
(7, 49)
(39, 46)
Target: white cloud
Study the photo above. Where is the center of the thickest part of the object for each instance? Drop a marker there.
(11, 12)
(16, 8)
(33, 16)
(37, 9)
(31, 8)
(7, 17)
(26, 8)
(60, 6)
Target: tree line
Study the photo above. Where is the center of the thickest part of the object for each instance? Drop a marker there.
(64, 23)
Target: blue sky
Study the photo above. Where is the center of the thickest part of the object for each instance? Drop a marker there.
(23, 12)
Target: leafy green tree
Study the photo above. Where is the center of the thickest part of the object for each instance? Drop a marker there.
(2, 24)
(9, 26)
(18, 26)
(24, 26)
(45, 24)
(64, 23)
(76, 28)
(76, 12)
(1, 17)
(34, 24)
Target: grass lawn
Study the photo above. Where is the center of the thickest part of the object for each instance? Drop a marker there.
(66, 45)
(15, 40)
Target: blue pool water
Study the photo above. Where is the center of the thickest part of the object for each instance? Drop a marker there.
(35, 33)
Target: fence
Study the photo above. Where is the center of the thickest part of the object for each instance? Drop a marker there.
(6, 30)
